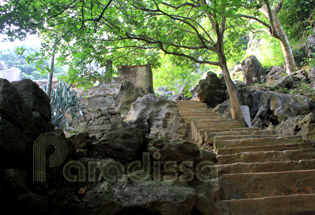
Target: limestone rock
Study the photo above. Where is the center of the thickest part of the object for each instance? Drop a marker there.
(147, 197)
(174, 150)
(267, 107)
(34, 97)
(157, 116)
(210, 90)
(15, 181)
(14, 109)
(252, 70)
(123, 144)
(310, 46)
(283, 82)
(275, 73)
(126, 96)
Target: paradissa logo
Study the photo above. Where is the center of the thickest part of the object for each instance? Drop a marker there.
(110, 170)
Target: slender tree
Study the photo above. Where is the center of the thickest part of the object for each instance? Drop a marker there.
(270, 9)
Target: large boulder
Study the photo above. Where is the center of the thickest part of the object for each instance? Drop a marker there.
(275, 73)
(210, 90)
(15, 110)
(158, 116)
(252, 70)
(310, 46)
(35, 98)
(174, 150)
(123, 144)
(147, 197)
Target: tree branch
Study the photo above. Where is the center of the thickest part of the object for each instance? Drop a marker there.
(278, 7)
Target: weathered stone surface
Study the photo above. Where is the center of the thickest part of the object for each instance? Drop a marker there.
(310, 46)
(13, 74)
(157, 116)
(283, 82)
(123, 144)
(252, 70)
(210, 90)
(14, 109)
(34, 97)
(302, 125)
(147, 197)
(207, 195)
(41, 124)
(174, 150)
(267, 107)
(275, 73)
(126, 96)
(139, 76)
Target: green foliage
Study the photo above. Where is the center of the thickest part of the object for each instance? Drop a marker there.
(297, 18)
(63, 101)
(268, 52)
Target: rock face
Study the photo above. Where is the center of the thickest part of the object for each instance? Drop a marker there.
(210, 90)
(303, 125)
(123, 144)
(34, 97)
(147, 197)
(157, 116)
(126, 96)
(174, 150)
(252, 70)
(275, 73)
(269, 108)
(24, 115)
(98, 107)
(310, 46)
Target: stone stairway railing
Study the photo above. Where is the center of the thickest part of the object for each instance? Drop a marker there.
(258, 172)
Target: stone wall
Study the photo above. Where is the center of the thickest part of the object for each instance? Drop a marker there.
(140, 76)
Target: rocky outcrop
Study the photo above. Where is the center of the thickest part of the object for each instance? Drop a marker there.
(302, 125)
(98, 114)
(123, 144)
(147, 197)
(275, 73)
(157, 116)
(310, 46)
(252, 70)
(126, 96)
(210, 90)
(19, 126)
(267, 107)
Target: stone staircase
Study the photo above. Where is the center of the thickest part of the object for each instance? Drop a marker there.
(258, 172)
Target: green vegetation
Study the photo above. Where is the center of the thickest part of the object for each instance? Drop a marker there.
(180, 39)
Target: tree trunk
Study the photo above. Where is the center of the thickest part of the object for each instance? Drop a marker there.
(285, 45)
(51, 72)
(235, 107)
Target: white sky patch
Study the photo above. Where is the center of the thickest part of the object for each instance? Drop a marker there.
(29, 41)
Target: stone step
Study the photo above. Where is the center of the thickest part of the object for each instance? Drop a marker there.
(207, 119)
(255, 185)
(279, 147)
(272, 166)
(250, 131)
(299, 204)
(256, 142)
(197, 115)
(263, 156)
(244, 136)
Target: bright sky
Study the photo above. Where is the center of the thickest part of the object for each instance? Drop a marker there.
(30, 41)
